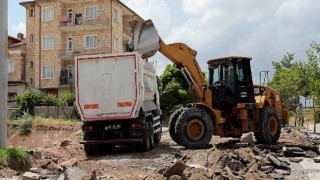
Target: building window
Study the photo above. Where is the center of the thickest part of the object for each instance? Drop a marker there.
(69, 46)
(70, 13)
(31, 80)
(47, 43)
(31, 38)
(31, 13)
(11, 96)
(116, 43)
(91, 41)
(116, 15)
(47, 72)
(10, 66)
(47, 14)
(91, 12)
(31, 64)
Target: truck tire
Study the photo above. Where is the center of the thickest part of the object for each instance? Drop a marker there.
(172, 124)
(91, 149)
(148, 138)
(157, 136)
(269, 126)
(194, 128)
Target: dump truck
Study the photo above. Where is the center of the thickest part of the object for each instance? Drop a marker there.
(227, 106)
(118, 100)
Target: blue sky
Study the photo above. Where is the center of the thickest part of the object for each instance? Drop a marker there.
(17, 17)
(264, 29)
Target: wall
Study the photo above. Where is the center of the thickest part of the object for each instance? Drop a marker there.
(53, 111)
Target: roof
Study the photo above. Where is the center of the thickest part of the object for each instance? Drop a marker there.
(229, 58)
(15, 41)
(30, 2)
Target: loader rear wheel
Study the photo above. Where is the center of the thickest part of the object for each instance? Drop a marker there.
(269, 126)
(172, 124)
(194, 128)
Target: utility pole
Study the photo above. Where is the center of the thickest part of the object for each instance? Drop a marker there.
(3, 71)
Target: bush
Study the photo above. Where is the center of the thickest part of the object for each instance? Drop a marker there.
(27, 101)
(49, 100)
(14, 158)
(68, 97)
(23, 125)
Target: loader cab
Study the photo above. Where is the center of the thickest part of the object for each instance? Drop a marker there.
(230, 80)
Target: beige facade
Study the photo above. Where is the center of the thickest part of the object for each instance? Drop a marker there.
(58, 30)
(16, 68)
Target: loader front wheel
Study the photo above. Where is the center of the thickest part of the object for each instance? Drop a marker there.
(172, 124)
(194, 128)
(269, 127)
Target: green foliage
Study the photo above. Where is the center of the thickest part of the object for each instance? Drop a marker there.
(14, 158)
(68, 97)
(174, 90)
(23, 125)
(49, 100)
(27, 101)
(285, 80)
(299, 78)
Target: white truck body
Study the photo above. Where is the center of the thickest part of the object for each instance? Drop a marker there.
(114, 86)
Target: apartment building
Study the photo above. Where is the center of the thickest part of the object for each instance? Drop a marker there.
(59, 30)
(16, 67)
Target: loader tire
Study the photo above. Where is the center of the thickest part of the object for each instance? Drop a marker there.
(194, 128)
(92, 149)
(148, 138)
(269, 126)
(172, 124)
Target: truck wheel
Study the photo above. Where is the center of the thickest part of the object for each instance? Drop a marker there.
(194, 128)
(269, 126)
(91, 149)
(172, 124)
(148, 140)
(157, 136)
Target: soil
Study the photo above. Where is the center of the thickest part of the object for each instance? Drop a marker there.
(64, 157)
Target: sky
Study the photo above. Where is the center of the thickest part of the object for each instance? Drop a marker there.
(265, 30)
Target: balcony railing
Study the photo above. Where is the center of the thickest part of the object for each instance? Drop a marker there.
(69, 55)
(79, 22)
(66, 77)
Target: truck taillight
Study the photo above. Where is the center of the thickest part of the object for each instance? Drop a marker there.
(136, 125)
(87, 128)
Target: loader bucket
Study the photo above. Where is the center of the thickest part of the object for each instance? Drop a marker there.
(146, 39)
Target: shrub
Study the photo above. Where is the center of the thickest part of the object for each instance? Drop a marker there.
(27, 101)
(49, 100)
(68, 97)
(23, 125)
(14, 158)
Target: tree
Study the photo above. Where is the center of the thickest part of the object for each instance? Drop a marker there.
(174, 90)
(287, 81)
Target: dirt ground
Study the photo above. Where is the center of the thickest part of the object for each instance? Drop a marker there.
(65, 159)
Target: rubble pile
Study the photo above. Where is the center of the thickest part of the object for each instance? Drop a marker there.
(237, 160)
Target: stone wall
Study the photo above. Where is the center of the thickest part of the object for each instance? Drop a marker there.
(53, 111)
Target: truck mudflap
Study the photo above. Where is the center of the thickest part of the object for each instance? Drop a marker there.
(114, 141)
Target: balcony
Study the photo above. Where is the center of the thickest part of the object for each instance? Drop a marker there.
(66, 77)
(69, 55)
(78, 23)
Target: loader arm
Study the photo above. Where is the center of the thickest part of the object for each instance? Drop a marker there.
(147, 41)
(185, 58)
